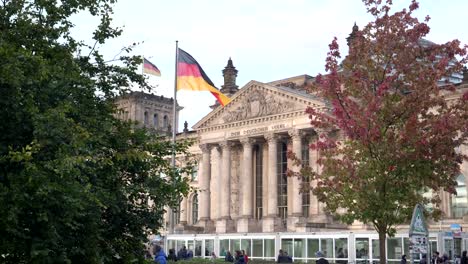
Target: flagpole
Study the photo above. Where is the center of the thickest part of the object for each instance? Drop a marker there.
(174, 131)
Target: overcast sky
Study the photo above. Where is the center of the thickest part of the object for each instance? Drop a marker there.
(267, 39)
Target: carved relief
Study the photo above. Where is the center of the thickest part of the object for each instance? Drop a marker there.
(256, 104)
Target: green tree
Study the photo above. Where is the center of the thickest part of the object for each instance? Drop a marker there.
(393, 124)
(77, 185)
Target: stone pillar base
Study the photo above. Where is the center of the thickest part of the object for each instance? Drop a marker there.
(207, 225)
(245, 225)
(271, 224)
(225, 226)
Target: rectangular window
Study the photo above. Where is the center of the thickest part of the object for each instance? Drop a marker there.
(327, 247)
(257, 248)
(299, 248)
(282, 181)
(198, 248)
(375, 249)
(287, 246)
(362, 248)
(191, 245)
(235, 245)
(341, 248)
(269, 250)
(394, 248)
(171, 244)
(305, 180)
(312, 247)
(246, 245)
(194, 174)
(258, 150)
(223, 247)
(209, 247)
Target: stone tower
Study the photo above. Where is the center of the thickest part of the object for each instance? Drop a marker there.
(229, 88)
(148, 110)
(353, 34)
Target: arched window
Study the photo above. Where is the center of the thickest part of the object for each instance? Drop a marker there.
(155, 120)
(460, 200)
(165, 121)
(145, 115)
(195, 209)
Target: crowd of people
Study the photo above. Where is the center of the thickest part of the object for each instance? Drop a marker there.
(241, 257)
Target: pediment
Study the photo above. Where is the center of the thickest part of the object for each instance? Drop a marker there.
(257, 100)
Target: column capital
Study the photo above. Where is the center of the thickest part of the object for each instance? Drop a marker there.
(271, 137)
(246, 141)
(226, 144)
(296, 134)
(204, 148)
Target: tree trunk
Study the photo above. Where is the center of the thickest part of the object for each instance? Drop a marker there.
(382, 241)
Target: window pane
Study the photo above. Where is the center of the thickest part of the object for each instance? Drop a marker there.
(179, 244)
(209, 247)
(223, 246)
(257, 249)
(312, 247)
(269, 248)
(327, 247)
(394, 248)
(432, 245)
(341, 248)
(299, 248)
(406, 247)
(448, 244)
(362, 248)
(287, 246)
(375, 249)
(245, 245)
(235, 245)
(190, 245)
(171, 244)
(198, 248)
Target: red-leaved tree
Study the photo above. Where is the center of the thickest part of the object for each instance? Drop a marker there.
(394, 122)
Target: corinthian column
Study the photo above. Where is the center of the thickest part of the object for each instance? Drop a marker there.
(272, 140)
(215, 182)
(313, 157)
(246, 187)
(247, 180)
(296, 136)
(225, 180)
(183, 211)
(204, 184)
(270, 221)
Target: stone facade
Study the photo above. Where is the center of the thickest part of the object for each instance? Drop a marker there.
(151, 111)
(241, 156)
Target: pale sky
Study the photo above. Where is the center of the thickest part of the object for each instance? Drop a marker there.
(266, 39)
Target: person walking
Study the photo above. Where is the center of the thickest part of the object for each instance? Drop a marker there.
(239, 257)
(230, 258)
(172, 256)
(246, 257)
(160, 255)
(464, 259)
(403, 259)
(321, 257)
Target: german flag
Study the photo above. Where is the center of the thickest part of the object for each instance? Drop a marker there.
(150, 68)
(190, 76)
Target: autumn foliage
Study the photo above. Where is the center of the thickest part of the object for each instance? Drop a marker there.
(389, 138)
